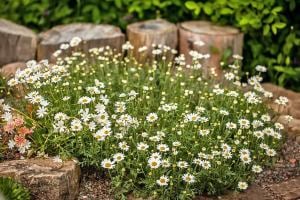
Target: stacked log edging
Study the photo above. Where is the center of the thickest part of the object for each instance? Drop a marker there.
(19, 44)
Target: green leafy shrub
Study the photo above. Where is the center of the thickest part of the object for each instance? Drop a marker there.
(272, 33)
(12, 190)
(159, 128)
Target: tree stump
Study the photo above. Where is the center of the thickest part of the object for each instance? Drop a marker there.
(149, 33)
(92, 36)
(216, 40)
(17, 43)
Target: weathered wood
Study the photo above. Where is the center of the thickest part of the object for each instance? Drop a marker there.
(147, 33)
(216, 40)
(92, 35)
(17, 43)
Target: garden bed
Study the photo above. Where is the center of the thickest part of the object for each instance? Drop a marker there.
(160, 129)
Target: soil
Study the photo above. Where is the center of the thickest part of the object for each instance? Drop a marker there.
(94, 186)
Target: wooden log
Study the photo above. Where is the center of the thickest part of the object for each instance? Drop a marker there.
(92, 36)
(216, 39)
(149, 33)
(17, 43)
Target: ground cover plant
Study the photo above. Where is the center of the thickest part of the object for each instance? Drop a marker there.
(272, 32)
(161, 129)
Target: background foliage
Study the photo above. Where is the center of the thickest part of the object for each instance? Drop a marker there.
(271, 27)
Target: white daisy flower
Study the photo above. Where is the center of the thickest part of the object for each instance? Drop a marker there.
(242, 185)
(57, 159)
(118, 157)
(182, 164)
(163, 148)
(123, 146)
(142, 146)
(84, 100)
(189, 178)
(154, 163)
(163, 181)
(270, 152)
(256, 169)
(76, 125)
(107, 164)
(152, 117)
(75, 41)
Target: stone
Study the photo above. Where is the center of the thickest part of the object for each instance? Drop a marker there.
(281, 109)
(10, 69)
(298, 139)
(17, 43)
(288, 190)
(46, 179)
(292, 128)
(92, 35)
(280, 91)
(295, 109)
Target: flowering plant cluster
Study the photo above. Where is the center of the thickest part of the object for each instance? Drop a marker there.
(159, 128)
(14, 133)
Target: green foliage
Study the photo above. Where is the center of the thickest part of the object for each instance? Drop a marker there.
(272, 35)
(271, 27)
(43, 14)
(12, 190)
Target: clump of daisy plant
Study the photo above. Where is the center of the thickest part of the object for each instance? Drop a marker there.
(161, 129)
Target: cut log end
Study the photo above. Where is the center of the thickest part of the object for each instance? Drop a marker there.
(216, 39)
(151, 27)
(203, 27)
(92, 35)
(147, 33)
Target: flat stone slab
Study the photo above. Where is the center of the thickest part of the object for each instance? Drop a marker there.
(288, 190)
(17, 43)
(92, 35)
(280, 91)
(292, 109)
(46, 179)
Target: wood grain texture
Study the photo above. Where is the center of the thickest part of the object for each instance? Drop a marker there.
(216, 38)
(17, 43)
(146, 33)
(92, 35)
